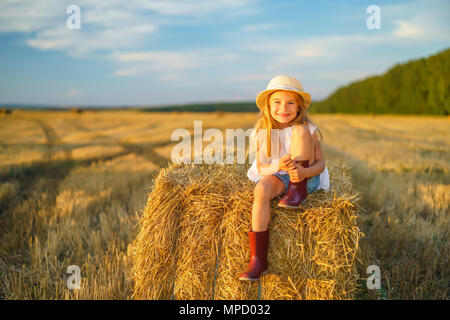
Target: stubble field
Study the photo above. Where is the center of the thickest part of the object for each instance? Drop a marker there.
(73, 186)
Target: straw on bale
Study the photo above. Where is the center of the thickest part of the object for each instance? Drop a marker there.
(193, 241)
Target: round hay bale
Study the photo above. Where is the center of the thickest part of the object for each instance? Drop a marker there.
(193, 242)
(76, 110)
(5, 111)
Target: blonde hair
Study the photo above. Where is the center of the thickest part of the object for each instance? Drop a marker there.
(266, 121)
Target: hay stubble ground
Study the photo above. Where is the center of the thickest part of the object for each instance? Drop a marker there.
(73, 186)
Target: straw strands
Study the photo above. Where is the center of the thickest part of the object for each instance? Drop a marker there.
(193, 241)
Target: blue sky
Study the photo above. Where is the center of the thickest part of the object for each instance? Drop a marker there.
(162, 52)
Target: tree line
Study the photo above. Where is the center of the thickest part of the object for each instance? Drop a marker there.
(416, 87)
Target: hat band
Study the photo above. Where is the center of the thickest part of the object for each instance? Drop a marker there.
(283, 87)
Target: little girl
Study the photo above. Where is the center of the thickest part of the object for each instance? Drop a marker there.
(299, 167)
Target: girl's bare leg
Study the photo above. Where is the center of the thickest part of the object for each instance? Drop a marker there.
(266, 189)
(302, 145)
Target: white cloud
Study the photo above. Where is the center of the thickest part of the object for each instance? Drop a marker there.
(313, 52)
(307, 53)
(406, 29)
(35, 15)
(190, 7)
(154, 61)
(28, 15)
(420, 20)
(105, 24)
(77, 43)
(310, 52)
(168, 63)
(423, 21)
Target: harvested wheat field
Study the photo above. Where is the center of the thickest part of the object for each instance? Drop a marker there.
(75, 189)
(193, 240)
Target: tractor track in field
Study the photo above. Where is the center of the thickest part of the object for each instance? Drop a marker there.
(53, 141)
(47, 173)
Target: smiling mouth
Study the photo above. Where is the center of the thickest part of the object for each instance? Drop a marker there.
(283, 115)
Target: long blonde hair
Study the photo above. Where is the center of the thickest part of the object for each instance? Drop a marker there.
(266, 121)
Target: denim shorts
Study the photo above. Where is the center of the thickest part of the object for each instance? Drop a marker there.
(311, 185)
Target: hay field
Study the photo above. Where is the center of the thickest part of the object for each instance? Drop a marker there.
(73, 186)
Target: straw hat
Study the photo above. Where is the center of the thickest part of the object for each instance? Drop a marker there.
(285, 83)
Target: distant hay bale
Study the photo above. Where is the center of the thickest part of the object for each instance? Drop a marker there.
(220, 113)
(76, 110)
(193, 239)
(5, 111)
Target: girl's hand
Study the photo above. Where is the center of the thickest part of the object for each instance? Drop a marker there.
(286, 163)
(297, 174)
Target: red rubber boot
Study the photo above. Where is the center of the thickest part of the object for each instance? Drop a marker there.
(259, 243)
(296, 193)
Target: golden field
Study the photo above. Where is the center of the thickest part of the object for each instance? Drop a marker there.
(73, 187)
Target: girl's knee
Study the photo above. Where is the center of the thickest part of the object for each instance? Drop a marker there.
(263, 190)
(302, 146)
(301, 131)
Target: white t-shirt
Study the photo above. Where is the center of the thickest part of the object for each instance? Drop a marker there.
(285, 138)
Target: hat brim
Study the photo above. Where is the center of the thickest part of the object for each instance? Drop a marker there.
(261, 98)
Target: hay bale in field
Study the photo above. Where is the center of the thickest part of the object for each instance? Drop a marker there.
(5, 111)
(76, 110)
(193, 239)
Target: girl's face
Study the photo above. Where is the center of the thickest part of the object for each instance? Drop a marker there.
(283, 106)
